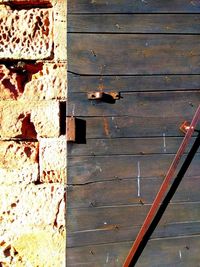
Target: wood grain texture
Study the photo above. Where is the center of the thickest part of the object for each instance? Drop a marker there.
(159, 253)
(87, 169)
(137, 23)
(133, 54)
(125, 192)
(126, 146)
(148, 104)
(130, 126)
(79, 83)
(86, 229)
(129, 6)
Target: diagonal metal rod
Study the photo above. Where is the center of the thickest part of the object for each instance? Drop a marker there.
(165, 193)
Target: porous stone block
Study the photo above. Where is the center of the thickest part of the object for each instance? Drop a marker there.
(32, 223)
(48, 83)
(29, 119)
(39, 81)
(37, 248)
(26, 34)
(53, 160)
(60, 30)
(18, 162)
(27, 2)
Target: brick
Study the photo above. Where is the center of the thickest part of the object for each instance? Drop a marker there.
(53, 160)
(29, 119)
(18, 162)
(26, 34)
(60, 30)
(39, 81)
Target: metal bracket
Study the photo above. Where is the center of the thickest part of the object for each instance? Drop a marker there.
(185, 126)
(103, 95)
(71, 129)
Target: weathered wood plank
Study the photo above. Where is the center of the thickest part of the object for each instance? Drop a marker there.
(138, 23)
(133, 54)
(125, 192)
(117, 127)
(106, 218)
(126, 146)
(159, 253)
(101, 168)
(129, 234)
(129, 6)
(143, 104)
(79, 83)
(118, 224)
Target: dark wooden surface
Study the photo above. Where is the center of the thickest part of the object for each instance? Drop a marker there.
(143, 83)
(148, 51)
(139, 23)
(159, 253)
(97, 168)
(134, 54)
(130, 6)
(141, 104)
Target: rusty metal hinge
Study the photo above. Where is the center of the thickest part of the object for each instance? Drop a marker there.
(103, 96)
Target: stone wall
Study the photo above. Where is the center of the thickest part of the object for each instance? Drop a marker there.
(32, 132)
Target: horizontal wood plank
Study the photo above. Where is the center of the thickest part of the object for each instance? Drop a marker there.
(129, 6)
(126, 146)
(118, 127)
(79, 83)
(133, 54)
(125, 192)
(148, 104)
(87, 169)
(137, 23)
(159, 253)
(118, 224)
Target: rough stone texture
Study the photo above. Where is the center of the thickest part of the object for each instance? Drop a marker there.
(32, 222)
(39, 81)
(33, 82)
(26, 2)
(25, 34)
(18, 162)
(60, 30)
(53, 160)
(48, 83)
(29, 119)
(10, 83)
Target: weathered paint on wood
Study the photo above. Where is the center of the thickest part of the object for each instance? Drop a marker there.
(138, 23)
(159, 253)
(141, 104)
(87, 169)
(126, 146)
(139, 83)
(137, 136)
(133, 54)
(120, 234)
(85, 219)
(129, 6)
(129, 126)
(126, 192)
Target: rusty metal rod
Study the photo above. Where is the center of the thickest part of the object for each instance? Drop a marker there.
(160, 200)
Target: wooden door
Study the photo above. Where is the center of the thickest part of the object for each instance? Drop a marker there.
(149, 52)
